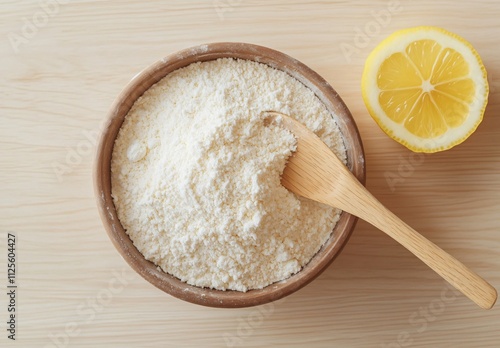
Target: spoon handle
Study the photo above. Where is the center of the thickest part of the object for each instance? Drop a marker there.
(368, 208)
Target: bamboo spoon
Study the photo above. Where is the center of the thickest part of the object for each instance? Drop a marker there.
(315, 172)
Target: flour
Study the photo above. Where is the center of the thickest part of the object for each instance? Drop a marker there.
(196, 176)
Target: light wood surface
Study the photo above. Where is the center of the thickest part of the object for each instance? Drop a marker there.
(315, 172)
(75, 290)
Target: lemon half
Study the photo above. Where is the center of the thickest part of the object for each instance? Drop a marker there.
(426, 88)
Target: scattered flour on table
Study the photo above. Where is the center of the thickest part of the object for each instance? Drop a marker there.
(196, 175)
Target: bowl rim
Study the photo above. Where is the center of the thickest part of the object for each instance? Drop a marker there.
(102, 173)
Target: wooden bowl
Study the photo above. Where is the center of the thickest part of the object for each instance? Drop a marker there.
(102, 174)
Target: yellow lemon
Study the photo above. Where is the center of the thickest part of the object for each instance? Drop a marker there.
(426, 88)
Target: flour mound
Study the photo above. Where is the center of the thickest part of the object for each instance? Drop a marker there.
(196, 176)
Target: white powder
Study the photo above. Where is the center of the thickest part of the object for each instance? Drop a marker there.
(196, 176)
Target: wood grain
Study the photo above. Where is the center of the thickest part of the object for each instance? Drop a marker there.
(58, 89)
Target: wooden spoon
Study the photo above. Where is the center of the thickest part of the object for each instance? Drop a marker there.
(315, 172)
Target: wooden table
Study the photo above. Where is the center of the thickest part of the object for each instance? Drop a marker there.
(64, 62)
